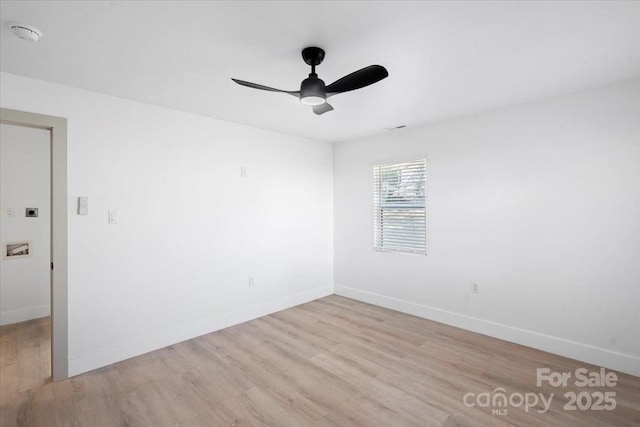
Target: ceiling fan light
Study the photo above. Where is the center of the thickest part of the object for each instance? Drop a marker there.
(312, 91)
(312, 100)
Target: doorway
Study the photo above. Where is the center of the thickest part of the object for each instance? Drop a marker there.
(18, 248)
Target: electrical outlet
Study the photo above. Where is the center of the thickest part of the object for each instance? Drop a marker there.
(475, 288)
(252, 281)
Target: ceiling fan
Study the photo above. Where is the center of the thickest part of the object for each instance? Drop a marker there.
(313, 91)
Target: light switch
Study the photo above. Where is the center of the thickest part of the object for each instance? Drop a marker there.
(113, 217)
(83, 206)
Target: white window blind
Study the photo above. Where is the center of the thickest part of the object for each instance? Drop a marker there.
(399, 207)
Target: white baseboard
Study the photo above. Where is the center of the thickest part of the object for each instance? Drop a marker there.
(585, 353)
(107, 356)
(24, 314)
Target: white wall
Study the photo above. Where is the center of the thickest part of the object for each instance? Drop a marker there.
(191, 228)
(25, 182)
(539, 204)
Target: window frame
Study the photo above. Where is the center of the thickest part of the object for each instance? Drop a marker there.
(378, 206)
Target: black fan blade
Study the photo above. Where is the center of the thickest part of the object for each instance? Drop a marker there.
(262, 87)
(358, 79)
(322, 108)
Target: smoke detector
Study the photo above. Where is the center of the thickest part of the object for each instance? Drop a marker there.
(26, 32)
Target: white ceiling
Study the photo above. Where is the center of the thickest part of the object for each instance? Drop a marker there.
(445, 59)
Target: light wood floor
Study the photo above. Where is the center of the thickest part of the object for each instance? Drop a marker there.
(331, 362)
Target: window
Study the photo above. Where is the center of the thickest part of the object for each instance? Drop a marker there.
(399, 207)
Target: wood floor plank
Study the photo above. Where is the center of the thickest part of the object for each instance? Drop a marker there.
(330, 362)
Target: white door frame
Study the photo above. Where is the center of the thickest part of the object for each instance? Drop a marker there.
(59, 268)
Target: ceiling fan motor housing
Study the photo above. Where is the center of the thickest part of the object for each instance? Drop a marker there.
(312, 90)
